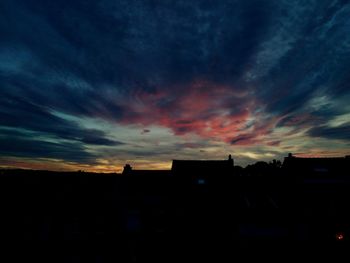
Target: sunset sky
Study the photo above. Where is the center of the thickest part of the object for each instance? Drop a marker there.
(93, 85)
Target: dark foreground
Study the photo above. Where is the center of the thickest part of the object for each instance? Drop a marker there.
(159, 217)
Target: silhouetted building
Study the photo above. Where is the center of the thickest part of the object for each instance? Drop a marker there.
(183, 166)
(202, 172)
(196, 206)
(322, 167)
(127, 169)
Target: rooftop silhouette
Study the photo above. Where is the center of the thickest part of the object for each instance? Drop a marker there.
(197, 205)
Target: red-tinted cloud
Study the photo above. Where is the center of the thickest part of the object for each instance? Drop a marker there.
(204, 108)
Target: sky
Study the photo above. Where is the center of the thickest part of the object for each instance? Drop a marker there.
(94, 84)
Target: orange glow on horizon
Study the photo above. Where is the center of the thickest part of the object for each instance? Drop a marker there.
(61, 166)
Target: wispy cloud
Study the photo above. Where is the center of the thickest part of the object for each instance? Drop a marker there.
(232, 73)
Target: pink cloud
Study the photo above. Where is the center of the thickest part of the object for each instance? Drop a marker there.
(204, 108)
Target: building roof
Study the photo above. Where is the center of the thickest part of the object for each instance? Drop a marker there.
(335, 165)
(185, 166)
(152, 173)
(179, 166)
(199, 164)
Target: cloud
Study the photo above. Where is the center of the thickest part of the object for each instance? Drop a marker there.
(144, 131)
(36, 148)
(246, 139)
(207, 109)
(36, 118)
(339, 133)
(233, 71)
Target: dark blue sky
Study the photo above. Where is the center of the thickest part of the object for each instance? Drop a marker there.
(95, 84)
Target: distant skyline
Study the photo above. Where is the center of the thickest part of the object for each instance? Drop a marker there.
(94, 84)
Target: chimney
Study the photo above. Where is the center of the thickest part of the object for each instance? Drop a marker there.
(127, 169)
(230, 160)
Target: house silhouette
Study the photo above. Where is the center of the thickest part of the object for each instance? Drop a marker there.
(201, 172)
(317, 168)
(202, 166)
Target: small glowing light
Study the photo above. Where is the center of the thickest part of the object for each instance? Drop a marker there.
(339, 236)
